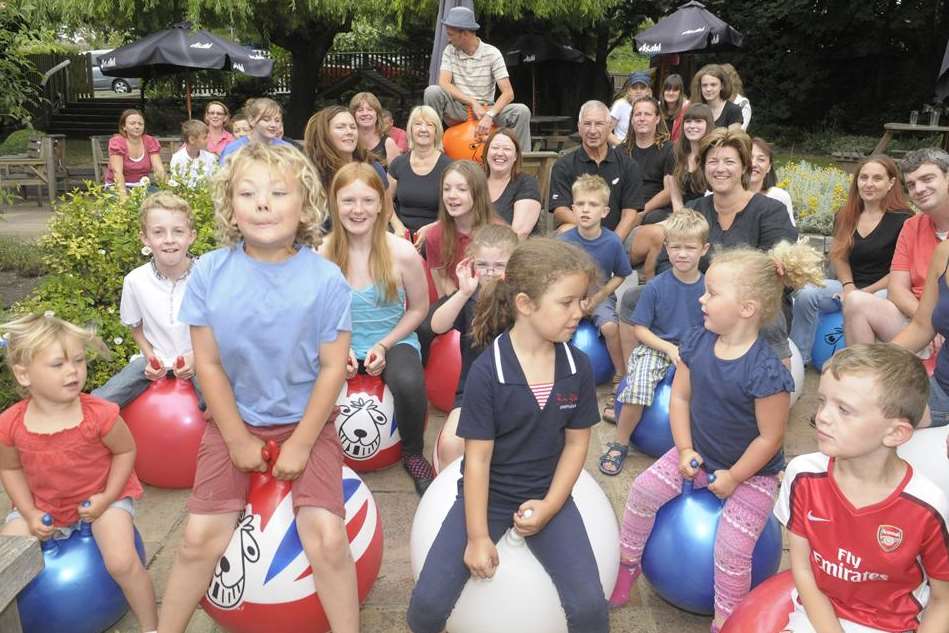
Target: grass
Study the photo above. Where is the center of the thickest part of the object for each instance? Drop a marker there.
(78, 152)
(624, 59)
(22, 257)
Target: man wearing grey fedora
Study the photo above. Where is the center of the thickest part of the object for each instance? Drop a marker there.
(471, 73)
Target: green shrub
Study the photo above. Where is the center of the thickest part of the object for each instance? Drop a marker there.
(18, 142)
(816, 193)
(91, 245)
(21, 256)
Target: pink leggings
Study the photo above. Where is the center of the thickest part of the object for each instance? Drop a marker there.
(745, 514)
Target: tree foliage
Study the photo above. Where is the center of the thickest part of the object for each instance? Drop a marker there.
(20, 78)
(850, 64)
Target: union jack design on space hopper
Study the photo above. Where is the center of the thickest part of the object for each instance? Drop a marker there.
(264, 582)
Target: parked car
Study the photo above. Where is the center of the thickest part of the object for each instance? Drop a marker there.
(121, 85)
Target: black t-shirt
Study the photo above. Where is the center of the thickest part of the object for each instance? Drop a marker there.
(469, 350)
(416, 197)
(870, 256)
(655, 163)
(524, 187)
(731, 113)
(761, 224)
(620, 172)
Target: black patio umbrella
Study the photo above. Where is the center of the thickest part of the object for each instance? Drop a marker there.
(180, 49)
(534, 49)
(689, 28)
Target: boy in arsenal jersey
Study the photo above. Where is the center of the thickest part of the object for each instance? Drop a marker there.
(869, 540)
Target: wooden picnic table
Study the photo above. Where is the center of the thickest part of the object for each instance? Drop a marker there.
(551, 125)
(893, 128)
(20, 561)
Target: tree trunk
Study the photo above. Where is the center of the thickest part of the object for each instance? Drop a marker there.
(308, 44)
(308, 54)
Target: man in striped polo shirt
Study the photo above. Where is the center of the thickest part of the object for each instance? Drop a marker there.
(471, 72)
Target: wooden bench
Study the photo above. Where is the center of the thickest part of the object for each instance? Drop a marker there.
(20, 562)
(539, 165)
(40, 165)
(100, 152)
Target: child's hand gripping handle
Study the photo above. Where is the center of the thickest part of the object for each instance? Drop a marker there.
(513, 536)
(270, 452)
(687, 484)
(155, 363)
(179, 362)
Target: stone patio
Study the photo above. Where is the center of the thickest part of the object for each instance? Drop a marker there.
(161, 514)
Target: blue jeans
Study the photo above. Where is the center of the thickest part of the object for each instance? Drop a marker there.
(129, 384)
(809, 303)
(938, 404)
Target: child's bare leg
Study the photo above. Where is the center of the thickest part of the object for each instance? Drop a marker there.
(627, 337)
(610, 332)
(205, 538)
(18, 527)
(115, 536)
(628, 419)
(324, 539)
(450, 447)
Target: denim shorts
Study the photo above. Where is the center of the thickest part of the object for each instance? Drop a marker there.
(63, 532)
(938, 403)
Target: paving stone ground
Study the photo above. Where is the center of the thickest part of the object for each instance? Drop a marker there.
(161, 516)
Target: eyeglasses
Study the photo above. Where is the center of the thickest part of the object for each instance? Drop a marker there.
(492, 268)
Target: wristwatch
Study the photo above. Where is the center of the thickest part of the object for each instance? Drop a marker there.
(491, 113)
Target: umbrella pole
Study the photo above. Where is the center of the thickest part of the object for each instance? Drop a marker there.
(534, 88)
(188, 95)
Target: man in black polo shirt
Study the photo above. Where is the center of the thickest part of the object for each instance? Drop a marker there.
(596, 156)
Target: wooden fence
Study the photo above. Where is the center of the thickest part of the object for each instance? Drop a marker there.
(71, 83)
(407, 69)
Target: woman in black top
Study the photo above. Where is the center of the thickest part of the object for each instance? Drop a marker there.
(367, 111)
(687, 181)
(514, 194)
(648, 144)
(673, 104)
(415, 178)
(711, 86)
(736, 216)
(865, 233)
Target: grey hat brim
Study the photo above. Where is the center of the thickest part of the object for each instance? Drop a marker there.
(464, 26)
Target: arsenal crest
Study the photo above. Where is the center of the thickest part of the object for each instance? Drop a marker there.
(889, 537)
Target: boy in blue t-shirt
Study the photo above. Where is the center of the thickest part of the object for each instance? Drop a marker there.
(591, 203)
(668, 309)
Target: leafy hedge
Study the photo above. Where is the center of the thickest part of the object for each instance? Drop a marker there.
(92, 243)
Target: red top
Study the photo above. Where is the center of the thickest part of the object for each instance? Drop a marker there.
(215, 148)
(433, 251)
(871, 562)
(64, 469)
(134, 168)
(398, 135)
(914, 249)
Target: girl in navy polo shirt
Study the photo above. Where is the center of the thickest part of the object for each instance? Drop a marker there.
(728, 412)
(530, 400)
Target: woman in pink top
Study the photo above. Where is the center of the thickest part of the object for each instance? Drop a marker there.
(133, 155)
(217, 116)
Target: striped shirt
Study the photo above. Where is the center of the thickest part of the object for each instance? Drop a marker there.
(541, 393)
(475, 75)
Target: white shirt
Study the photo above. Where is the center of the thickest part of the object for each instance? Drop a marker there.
(620, 113)
(784, 198)
(152, 301)
(191, 170)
